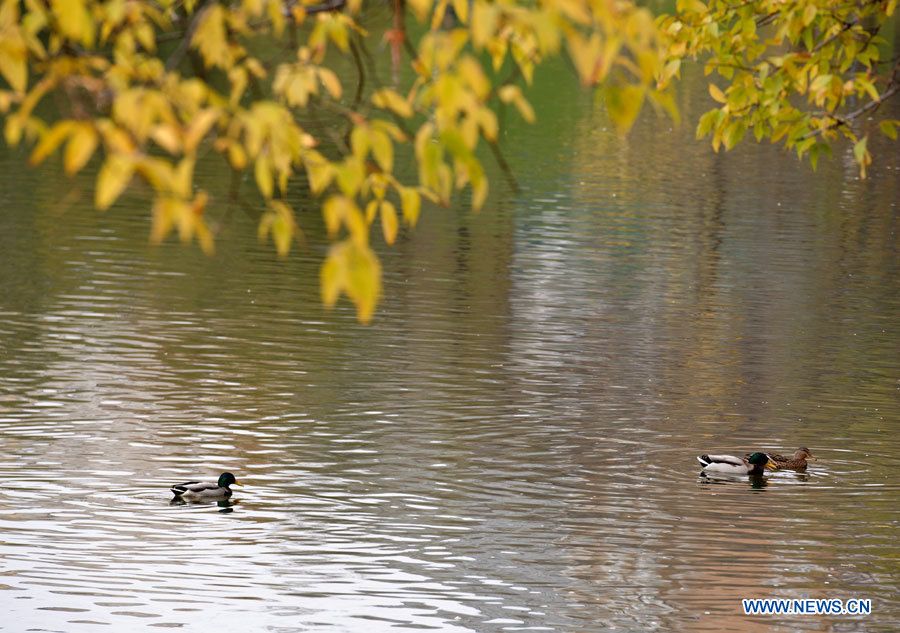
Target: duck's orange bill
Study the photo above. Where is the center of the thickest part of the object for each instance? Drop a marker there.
(237, 483)
(771, 465)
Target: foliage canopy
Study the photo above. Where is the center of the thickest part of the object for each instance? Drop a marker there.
(150, 85)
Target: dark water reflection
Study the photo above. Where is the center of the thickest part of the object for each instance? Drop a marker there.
(509, 447)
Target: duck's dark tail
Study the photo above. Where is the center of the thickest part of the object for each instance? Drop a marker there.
(704, 460)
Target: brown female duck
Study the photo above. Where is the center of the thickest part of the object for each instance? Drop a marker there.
(797, 462)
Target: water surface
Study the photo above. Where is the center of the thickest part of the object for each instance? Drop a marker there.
(509, 447)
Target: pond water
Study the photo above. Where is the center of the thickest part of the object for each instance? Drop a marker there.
(510, 446)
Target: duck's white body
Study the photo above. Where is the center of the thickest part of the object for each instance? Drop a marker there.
(725, 464)
(193, 490)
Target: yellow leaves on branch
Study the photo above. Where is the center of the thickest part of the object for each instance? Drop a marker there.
(13, 48)
(353, 269)
(74, 21)
(145, 119)
(186, 216)
(274, 141)
(295, 83)
(795, 72)
(279, 222)
(211, 39)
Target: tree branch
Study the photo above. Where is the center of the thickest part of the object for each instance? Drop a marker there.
(183, 46)
(893, 88)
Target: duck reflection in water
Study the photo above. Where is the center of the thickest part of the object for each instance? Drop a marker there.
(757, 482)
(225, 505)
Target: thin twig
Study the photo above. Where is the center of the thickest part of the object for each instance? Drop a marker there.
(360, 73)
(183, 46)
(893, 88)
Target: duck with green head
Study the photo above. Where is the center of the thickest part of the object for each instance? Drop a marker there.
(204, 491)
(755, 464)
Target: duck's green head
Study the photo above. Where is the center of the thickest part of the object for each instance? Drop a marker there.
(227, 479)
(758, 458)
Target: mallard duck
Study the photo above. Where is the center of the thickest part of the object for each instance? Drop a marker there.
(200, 490)
(797, 462)
(755, 464)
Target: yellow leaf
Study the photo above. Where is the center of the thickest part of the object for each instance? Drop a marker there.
(411, 203)
(576, 10)
(237, 157)
(389, 222)
(624, 104)
(462, 10)
(350, 175)
(479, 192)
(809, 14)
(512, 94)
(421, 8)
(364, 281)
(183, 177)
(210, 38)
(200, 125)
(391, 100)
(80, 148)
(145, 35)
(74, 21)
(50, 141)
(114, 176)
(283, 226)
(157, 172)
(163, 220)
(167, 137)
(331, 278)
(353, 269)
(276, 17)
(333, 213)
(359, 141)
(331, 82)
(382, 149)
(472, 72)
(263, 174)
(485, 17)
(341, 210)
(585, 54)
(337, 29)
(14, 60)
(390, 129)
(716, 93)
(319, 171)
(204, 237)
(371, 211)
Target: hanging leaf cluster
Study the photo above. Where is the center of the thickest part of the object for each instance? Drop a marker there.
(152, 86)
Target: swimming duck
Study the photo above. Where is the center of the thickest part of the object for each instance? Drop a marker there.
(797, 462)
(200, 490)
(755, 464)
